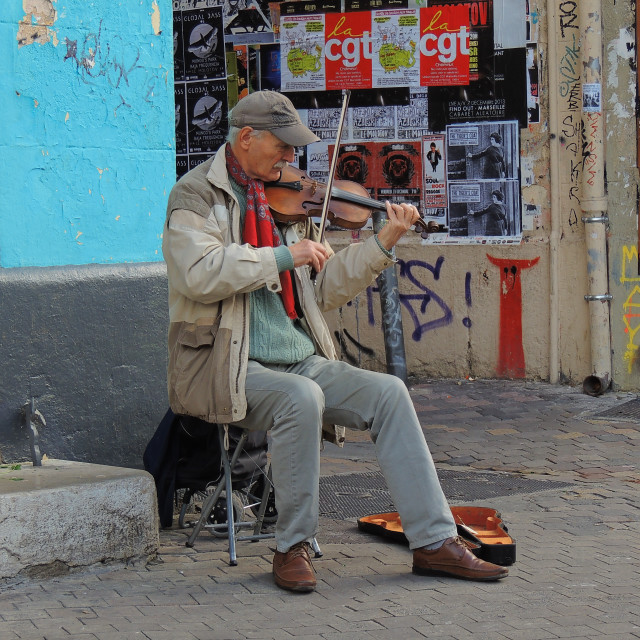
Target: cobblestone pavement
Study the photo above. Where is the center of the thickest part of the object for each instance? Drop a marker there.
(577, 573)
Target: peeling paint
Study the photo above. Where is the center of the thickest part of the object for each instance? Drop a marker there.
(35, 26)
(623, 47)
(619, 110)
(155, 18)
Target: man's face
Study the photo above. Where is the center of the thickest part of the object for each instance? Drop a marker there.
(267, 156)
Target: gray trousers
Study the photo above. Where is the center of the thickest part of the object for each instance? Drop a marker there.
(293, 401)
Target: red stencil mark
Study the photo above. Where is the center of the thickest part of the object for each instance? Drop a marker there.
(510, 351)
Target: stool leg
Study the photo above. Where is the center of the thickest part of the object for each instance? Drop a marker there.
(316, 548)
(207, 508)
(210, 502)
(229, 489)
(263, 502)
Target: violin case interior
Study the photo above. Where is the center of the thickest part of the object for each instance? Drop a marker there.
(481, 526)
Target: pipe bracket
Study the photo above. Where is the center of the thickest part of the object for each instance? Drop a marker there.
(604, 219)
(593, 298)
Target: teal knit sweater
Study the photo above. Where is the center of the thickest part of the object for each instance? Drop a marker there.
(273, 337)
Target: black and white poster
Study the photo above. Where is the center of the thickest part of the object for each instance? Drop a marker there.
(203, 44)
(207, 113)
(180, 104)
(247, 21)
(483, 180)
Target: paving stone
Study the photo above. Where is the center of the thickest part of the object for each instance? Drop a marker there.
(577, 553)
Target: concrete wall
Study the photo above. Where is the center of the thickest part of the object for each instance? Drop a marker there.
(86, 104)
(620, 89)
(456, 321)
(461, 316)
(88, 158)
(88, 344)
(91, 162)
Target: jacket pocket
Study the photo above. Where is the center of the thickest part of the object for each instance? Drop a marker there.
(194, 369)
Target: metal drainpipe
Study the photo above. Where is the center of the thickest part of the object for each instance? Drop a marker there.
(391, 313)
(594, 202)
(555, 213)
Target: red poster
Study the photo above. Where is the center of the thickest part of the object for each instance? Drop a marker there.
(400, 177)
(348, 50)
(357, 162)
(444, 45)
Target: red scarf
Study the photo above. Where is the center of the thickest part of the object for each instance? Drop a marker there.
(259, 227)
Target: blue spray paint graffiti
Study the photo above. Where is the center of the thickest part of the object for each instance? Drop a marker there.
(421, 306)
(418, 303)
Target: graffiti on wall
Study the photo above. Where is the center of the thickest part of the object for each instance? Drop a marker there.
(631, 306)
(568, 16)
(429, 311)
(570, 94)
(590, 160)
(510, 350)
(96, 57)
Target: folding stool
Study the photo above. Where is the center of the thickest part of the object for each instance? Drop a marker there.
(232, 527)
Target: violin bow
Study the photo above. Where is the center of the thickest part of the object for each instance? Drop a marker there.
(334, 162)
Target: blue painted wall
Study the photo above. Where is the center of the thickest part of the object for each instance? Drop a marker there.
(86, 130)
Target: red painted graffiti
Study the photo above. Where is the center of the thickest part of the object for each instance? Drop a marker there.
(510, 351)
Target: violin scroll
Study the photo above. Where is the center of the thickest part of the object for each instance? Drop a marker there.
(427, 228)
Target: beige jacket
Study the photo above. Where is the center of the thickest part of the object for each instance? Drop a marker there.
(210, 275)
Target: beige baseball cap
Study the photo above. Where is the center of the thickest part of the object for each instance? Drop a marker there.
(274, 112)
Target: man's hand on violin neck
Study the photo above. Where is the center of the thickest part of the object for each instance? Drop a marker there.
(309, 252)
(400, 218)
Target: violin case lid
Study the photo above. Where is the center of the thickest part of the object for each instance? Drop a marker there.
(481, 526)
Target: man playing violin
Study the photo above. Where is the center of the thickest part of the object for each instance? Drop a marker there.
(248, 344)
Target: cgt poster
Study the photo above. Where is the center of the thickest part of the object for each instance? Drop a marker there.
(497, 86)
(301, 52)
(395, 36)
(374, 49)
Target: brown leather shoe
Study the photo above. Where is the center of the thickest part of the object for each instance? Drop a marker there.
(293, 570)
(455, 559)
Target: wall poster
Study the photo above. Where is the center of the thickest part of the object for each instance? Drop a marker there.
(497, 87)
(483, 176)
(200, 85)
(434, 154)
(328, 51)
(439, 92)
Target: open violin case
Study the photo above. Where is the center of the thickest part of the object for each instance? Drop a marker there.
(482, 527)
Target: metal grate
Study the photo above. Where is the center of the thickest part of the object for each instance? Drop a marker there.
(629, 411)
(357, 494)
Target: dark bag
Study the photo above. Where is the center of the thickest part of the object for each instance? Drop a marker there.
(184, 453)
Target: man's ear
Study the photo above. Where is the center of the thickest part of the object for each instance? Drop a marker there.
(244, 137)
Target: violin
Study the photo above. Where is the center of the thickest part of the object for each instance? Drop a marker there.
(296, 197)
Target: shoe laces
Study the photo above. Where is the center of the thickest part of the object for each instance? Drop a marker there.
(300, 549)
(465, 543)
